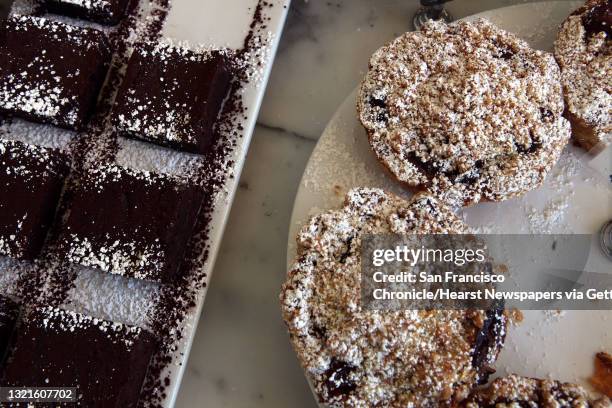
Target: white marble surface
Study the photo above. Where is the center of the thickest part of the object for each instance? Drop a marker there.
(241, 356)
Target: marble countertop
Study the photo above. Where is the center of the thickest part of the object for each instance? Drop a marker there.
(241, 356)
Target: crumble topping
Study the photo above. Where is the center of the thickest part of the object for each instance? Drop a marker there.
(602, 375)
(516, 391)
(466, 110)
(363, 358)
(584, 52)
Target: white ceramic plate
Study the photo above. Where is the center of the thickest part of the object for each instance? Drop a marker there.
(575, 198)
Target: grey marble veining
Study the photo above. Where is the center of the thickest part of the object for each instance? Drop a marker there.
(241, 356)
(324, 53)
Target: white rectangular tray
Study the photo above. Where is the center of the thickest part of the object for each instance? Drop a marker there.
(201, 23)
(224, 23)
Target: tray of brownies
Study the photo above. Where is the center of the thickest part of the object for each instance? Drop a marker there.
(123, 129)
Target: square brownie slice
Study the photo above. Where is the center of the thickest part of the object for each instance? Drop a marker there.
(106, 361)
(9, 311)
(51, 72)
(172, 96)
(109, 12)
(31, 182)
(130, 222)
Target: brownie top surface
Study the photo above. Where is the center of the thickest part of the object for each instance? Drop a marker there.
(26, 163)
(48, 68)
(107, 361)
(91, 5)
(140, 228)
(58, 320)
(98, 178)
(169, 92)
(107, 12)
(48, 32)
(31, 179)
(8, 313)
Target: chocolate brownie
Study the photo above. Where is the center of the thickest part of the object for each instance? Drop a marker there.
(31, 181)
(129, 222)
(9, 312)
(467, 111)
(356, 357)
(516, 391)
(106, 361)
(172, 96)
(584, 52)
(100, 11)
(51, 72)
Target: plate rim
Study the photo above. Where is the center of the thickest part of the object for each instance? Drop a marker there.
(297, 221)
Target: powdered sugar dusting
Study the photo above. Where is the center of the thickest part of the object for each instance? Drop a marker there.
(27, 161)
(65, 320)
(36, 134)
(98, 6)
(98, 177)
(110, 297)
(119, 255)
(157, 159)
(10, 271)
(550, 218)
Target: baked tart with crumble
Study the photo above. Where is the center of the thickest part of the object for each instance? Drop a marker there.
(467, 111)
(361, 358)
(516, 391)
(584, 52)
